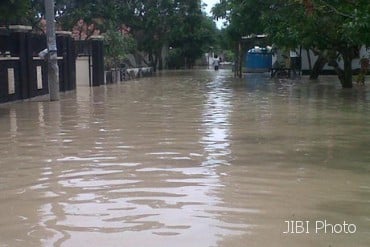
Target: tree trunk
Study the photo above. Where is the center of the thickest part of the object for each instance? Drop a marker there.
(347, 72)
(240, 60)
(159, 60)
(317, 67)
(309, 59)
(155, 62)
(152, 61)
(337, 69)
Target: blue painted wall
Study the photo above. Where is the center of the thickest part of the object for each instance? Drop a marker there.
(257, 61)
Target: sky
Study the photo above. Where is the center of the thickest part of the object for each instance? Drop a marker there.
(210, 4)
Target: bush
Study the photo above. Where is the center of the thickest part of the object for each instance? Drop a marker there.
(175, 59)
(117, 46)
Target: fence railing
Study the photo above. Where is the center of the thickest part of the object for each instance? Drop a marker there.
(23, 74)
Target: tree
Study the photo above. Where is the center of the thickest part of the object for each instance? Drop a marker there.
(117, 46)
(151, 25)
(14, 12)
(193, 33)
(244, 18)
(154, 24)
(333, 33)
(334, 29)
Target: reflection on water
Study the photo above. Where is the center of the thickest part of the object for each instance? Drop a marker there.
(186, 159)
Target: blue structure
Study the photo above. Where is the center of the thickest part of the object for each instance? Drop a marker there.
(258, 61)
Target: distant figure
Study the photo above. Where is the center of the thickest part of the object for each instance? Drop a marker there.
(216, 62)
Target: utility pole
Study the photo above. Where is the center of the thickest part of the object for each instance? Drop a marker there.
(53, 70)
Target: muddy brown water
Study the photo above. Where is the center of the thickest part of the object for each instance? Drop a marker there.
(188, 158)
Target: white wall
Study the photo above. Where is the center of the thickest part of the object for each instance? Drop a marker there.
(82, 71)
(355, 62)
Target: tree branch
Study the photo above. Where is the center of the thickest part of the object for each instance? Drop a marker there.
(336, 10)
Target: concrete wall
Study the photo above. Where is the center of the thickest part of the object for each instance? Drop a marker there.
(355, 62)
(279, 56)
(82, 71)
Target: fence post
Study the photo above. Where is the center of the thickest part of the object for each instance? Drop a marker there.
(20, 35)
(71, 62)
(64, 52)
(97, 60)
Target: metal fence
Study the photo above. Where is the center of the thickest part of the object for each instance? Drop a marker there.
(23, 74)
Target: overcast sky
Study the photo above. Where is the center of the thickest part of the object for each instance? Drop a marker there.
(210, 4)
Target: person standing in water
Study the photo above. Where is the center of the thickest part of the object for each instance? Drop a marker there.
(216, 62)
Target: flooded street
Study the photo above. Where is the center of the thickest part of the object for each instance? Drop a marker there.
(188, 158)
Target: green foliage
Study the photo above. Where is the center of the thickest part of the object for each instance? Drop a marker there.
(117, 47)
(229, 55)
(14, 11)
(321, 24)
(193, 35)
(331, 28)
(291, 23)
(154, 24)
(243, 16)
(175, 59)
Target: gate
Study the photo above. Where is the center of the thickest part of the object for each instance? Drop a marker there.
(90, 62)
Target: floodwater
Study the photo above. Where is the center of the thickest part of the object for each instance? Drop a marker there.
(188, 158)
